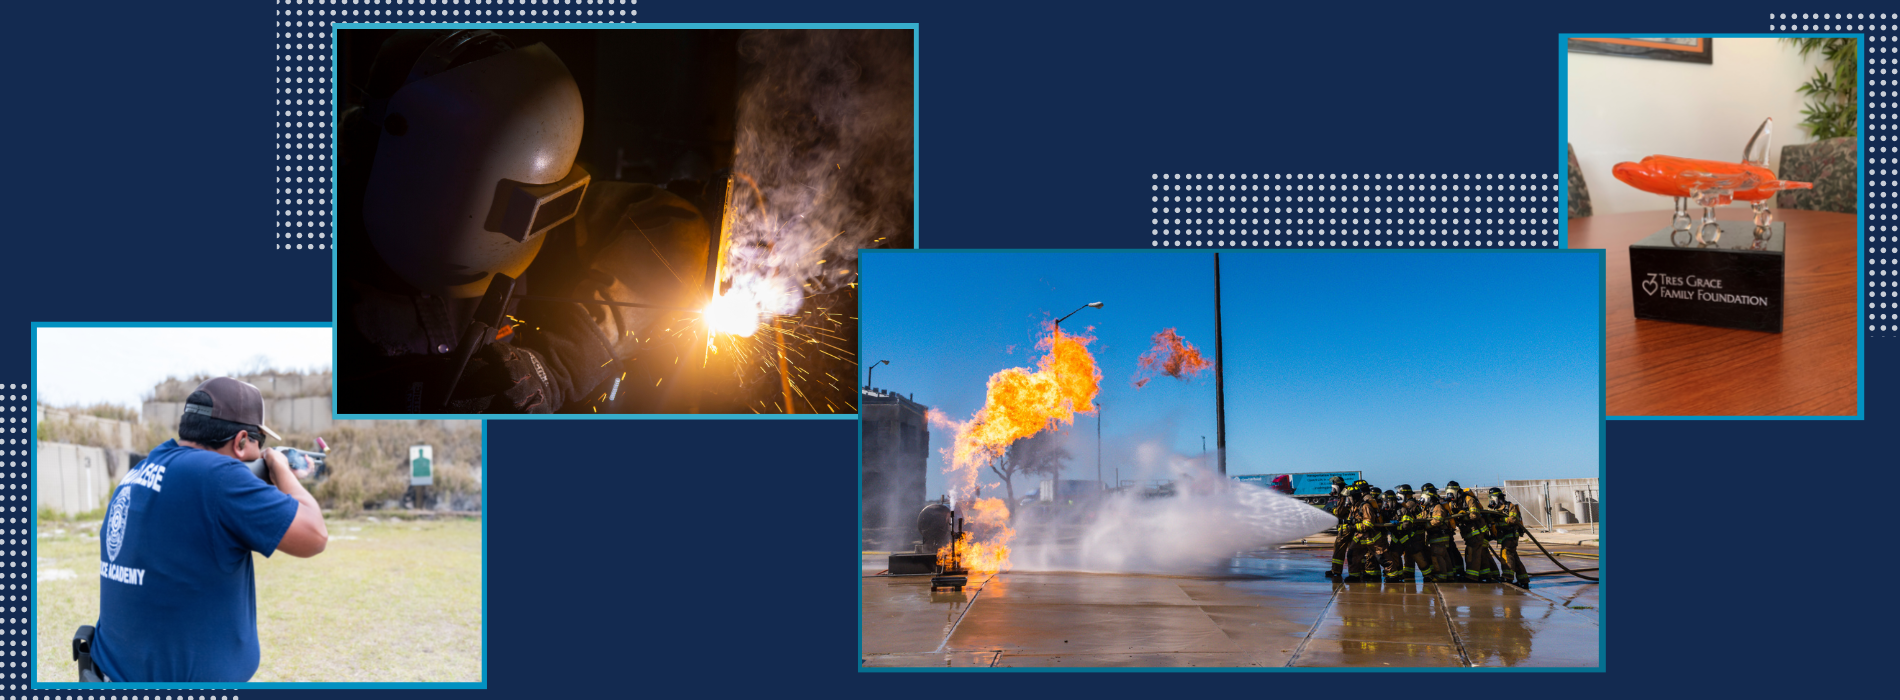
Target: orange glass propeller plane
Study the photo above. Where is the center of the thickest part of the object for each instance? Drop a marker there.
(1713, 183)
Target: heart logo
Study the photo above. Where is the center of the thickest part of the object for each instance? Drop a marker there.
(1649, 287)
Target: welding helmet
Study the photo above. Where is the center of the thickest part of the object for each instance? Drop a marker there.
(474, 157)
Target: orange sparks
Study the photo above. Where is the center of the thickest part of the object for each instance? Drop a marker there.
(1171, 355)
(1020, 403)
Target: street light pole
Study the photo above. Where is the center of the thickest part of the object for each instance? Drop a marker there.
(873, 370)
(1065, 317)
(1098, 446)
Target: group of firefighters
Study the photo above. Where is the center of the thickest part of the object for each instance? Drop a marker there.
(1411, 537)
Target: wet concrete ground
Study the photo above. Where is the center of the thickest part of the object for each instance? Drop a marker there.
(1270, 608)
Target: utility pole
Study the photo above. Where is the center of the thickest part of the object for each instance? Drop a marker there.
(1220, 381)
(1098, 446)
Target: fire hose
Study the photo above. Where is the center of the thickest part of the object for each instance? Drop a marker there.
(1499, 552)
(1547, 554)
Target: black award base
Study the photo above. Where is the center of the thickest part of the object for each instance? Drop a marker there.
(1736, 282)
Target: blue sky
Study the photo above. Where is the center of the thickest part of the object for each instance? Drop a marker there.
(83, 366)
(1409, 366)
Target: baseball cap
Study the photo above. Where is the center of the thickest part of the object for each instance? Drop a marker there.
(235, 401)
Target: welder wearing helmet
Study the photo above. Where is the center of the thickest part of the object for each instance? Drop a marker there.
(1508, 525)
(1410, 535)
(1473, 528)
(1343, 536)
(457, 166)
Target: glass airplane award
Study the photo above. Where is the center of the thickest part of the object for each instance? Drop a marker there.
(1687, 272)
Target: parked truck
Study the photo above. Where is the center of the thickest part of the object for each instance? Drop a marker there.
(1312, 487)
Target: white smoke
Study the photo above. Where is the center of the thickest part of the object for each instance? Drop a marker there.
(1203, 523)
(823, 159)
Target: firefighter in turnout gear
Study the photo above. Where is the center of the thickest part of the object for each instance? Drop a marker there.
(1508, 525)
(1362, 559)
(1474, 529)
(1343, 534)
(1440, 524)
(1389, 546)
(1409, 536)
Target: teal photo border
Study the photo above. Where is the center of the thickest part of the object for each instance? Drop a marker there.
(1603, 447)
(336, 99)
(34, 528)
(1860, 187)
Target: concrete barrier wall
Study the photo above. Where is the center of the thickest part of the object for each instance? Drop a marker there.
(70, 478)
(118, 434)
(272, 385)
(310, 414)
(161, 413)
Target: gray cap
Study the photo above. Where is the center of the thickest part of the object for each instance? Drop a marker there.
(235, 401)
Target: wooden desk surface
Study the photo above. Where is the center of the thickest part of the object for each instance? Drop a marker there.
(1659, 368)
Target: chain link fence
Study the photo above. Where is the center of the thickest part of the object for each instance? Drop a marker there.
(1547, 504)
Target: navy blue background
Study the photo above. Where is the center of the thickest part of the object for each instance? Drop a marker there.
(637, 556)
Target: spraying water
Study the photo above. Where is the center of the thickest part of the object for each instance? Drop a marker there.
(1196, 520)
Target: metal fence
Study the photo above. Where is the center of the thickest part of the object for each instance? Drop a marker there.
(1552, 503)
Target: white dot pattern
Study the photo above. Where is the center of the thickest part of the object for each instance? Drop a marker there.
(16, 511)
(1878, 232)
(1353, 210)
(305, 110)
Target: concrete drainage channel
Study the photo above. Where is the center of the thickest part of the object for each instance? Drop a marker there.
(966, 613)
(1463, 656)
(1315, 628)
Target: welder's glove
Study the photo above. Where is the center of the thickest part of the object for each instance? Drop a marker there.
(642, 244)
(502, 378)
(574, 356)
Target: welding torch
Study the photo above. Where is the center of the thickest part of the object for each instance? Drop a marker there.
(488, 321)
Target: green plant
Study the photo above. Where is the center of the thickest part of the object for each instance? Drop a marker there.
(1835, 87)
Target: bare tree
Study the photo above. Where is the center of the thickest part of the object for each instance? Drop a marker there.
(1039, 455)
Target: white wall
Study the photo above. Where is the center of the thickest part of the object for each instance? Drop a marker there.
(71, 479)
(1622, 109)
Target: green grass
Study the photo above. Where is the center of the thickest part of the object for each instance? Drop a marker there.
(389, 601)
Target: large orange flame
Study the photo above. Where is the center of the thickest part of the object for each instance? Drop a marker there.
(1020, 403)
(1171, 355)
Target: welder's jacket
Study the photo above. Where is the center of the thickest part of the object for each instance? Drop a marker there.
(630, 242)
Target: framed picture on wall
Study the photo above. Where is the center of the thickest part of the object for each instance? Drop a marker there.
(1687, 49)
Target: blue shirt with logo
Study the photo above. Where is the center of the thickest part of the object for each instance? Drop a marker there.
(177, 594)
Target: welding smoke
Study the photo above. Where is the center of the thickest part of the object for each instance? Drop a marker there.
(1206, 520)
(823, 159)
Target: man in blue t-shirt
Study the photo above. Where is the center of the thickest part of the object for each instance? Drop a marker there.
(177, 596)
